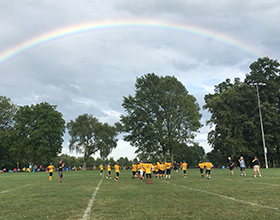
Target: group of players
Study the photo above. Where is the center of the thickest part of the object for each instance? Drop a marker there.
(160, 170)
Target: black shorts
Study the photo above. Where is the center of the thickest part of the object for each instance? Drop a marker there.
(101, 171)
(208, 171)
(109, 172)
(117, 173)
(133, 173)
(168, 172)
(242, 169)
(148, 175)
(230, 167)
(51, 173)
(184, 171)
(60, 174)
(201, 170)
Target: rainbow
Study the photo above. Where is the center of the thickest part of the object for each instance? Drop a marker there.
(124, 24)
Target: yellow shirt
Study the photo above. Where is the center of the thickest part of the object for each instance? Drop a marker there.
(117, 168)
(208, 165)
(134, 167)
(142, 166)
(184, 166)
(148, 168)
(167, 165)
(155, 168)
(101, 167)
(161, 166)
(109, 167)
(201, 165)
(50, 168)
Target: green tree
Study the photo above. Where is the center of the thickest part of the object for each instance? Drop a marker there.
(161, 113)
(88, 136)
(40, 129)
(8, 157)
(235, 113)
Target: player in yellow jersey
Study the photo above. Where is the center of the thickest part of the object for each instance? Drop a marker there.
(184, 167)
(158, 171)
(101, 169)
(117, 170)
(138, 169)
(142, 170)
(50, 168)
(109, 171)
(201, 167)
(208, 166)
(148, 170)
(168, 169)
(161, 169)
(133, 168)
(154, 169)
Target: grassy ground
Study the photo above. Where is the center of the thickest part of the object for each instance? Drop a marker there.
(33, 196)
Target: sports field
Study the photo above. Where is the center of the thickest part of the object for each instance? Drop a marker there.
(87, 195)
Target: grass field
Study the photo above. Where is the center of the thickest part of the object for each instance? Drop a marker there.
(86, 195)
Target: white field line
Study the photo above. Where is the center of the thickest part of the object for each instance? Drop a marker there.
(9, 190)
(90, 203)
(226, 197)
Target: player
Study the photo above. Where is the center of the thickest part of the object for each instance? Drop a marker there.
(184, 167)
(101, 169)
(117, 170)
(230, 165)
(148, 169)
(256, 165)
(138, 169)
(168, 169)
(208, 166)
(109, 171)
(161, 170)
(142, 170)
(60, 170)
(242, 166)
(175, 167)
(50, 168)
(133, 168)
(201, 167)
(154, 170)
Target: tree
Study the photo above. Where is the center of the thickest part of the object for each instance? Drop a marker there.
(39, 129)
(88, 136)
(235, 113)
(161, 114)
(7, 137)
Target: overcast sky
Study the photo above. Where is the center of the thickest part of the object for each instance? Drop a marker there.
(84, 56)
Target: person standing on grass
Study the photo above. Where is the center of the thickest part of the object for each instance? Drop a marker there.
(201, 168)
(168, 169)
(230, 165)
(184, 167)
(50, 168)
(133, 169)
(148, 169)
(101, 169)
(109, 171)
(256, 164)
(242, 166)
(208, 166)
(117, 170)
(161, 168)
(60, 170)
(175, 167)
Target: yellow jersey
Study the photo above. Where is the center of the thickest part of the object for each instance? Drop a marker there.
(161, 166)
(117, 168)
(109, 167)
(184, 165)
(201, 165)
(148, 168)
(134, 167)
(50, 168)
(167, 165)
(208, 165)
(101, 167)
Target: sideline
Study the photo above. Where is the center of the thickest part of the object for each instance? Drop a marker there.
(90, 203)
(9, 190)
(226, 197)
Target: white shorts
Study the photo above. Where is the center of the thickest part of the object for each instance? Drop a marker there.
(141, 172)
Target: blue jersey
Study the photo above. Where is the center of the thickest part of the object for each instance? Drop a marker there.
(242, 163)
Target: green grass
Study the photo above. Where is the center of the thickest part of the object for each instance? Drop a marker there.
(32, 196)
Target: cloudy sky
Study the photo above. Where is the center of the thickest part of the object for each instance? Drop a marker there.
(84, 56)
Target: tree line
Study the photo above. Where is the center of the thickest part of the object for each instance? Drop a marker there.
(161, 121)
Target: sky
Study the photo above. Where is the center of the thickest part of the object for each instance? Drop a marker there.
(84, 56)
